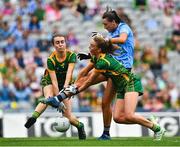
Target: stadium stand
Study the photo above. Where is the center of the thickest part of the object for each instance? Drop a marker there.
(156, 26)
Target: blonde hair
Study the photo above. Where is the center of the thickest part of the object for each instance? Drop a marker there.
(105, 45)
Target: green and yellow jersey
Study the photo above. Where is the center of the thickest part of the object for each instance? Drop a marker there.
(60, 68)
(123, 79)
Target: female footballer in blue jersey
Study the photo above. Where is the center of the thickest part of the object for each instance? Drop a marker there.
(121, 36)
(128, 86)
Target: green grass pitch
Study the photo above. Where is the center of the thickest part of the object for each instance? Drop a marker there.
(121, 141)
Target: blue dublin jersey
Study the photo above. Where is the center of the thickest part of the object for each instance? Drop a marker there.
(125, 53)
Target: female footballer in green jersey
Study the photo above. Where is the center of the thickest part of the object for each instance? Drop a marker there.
(58, 75)
(127, 84)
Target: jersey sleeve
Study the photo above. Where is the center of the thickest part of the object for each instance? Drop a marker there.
(124, 29)
(50, 65)
(72, 58)
(102, 66)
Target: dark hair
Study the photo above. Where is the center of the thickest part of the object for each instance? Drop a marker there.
(106, 46)
(111, 15)
(56, 35)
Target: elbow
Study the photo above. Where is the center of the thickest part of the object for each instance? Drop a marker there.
(122, 41)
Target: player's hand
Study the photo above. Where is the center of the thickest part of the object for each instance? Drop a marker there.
(83, 56)
(67, 91)
(71, 90)
(62, 107)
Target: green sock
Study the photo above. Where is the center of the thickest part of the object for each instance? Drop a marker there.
(156, 128)
(80, 125)
(35, 114)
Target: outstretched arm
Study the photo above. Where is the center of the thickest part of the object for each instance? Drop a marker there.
(89, 81)
(75, 89)
(84, 72)
(69, 91)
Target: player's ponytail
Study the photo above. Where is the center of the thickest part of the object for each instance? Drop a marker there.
(111, 15)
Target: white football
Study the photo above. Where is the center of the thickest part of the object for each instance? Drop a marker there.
(61, 124)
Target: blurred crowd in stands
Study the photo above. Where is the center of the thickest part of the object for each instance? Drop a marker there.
(26, 27)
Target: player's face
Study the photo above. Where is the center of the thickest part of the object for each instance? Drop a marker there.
(59, 43)
(108, 25)
(94, 50)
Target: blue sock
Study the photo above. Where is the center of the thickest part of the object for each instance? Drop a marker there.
(106, 130)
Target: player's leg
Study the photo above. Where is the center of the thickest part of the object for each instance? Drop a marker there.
(118, 113)
(109, 94)
(130, 103)
(48, 92)
(106, 103)
(73, 120)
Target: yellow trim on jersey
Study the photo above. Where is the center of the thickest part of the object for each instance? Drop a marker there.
(103, 71)
(50, 70)
(56, 55)
(70, 55)
(113, 73)
(2, 65)
(51, 56)
(125, 76)
(52, 61)
(102, 57)
(106, 61)
(100, 70)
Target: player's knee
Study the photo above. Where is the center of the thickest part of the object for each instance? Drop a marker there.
(116, 119)
(129, 117)
(119, 118)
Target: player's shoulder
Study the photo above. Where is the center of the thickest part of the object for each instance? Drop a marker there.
(52, 54)
(123, 25)
(70, 52)
(51, 58)
(104, 60)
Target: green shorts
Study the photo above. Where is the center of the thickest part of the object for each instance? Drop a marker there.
(134, 85)
(46, 80)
